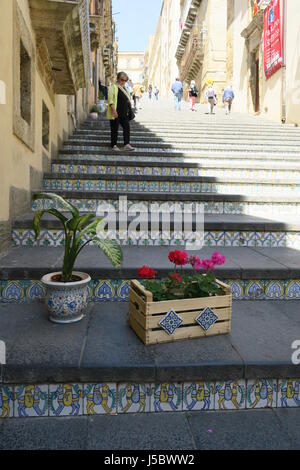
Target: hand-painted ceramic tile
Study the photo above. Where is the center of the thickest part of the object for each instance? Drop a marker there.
(166, 397)
(237, 288)
(275, 290)
(288, 393)
(133, 398)
(100, 399)
(261, 393)
(198, 396)
(293, 289)
(6, 401)
(66, 400)
(31, 401)
(255, 289)
(230, 395)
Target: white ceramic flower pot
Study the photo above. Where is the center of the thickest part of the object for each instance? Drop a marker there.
(66, 302)
(94, 116)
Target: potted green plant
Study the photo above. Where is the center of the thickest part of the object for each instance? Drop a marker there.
(67, 291)
(94, 112)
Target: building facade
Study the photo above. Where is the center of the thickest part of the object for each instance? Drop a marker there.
(46, 89)
(201, 51)
(133, 64)
(276, 97)
(162, 69)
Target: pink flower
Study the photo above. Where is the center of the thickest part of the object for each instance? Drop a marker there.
(208, 265)
(218, 259)
(196, 262)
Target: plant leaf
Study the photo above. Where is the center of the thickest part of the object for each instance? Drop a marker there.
(38, 217)
(59, 200)
(112, 250)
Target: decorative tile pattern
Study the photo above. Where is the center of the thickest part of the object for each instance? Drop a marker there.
(133, 398)
(66, 400)
(261, 393)
(100, 399)
(6, 401)
(230, 395)
(171, 322)
(166, 397)
(198, 396)
(288, 393)
(31, 401)
(207, 319)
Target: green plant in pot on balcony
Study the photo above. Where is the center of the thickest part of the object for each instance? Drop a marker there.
(94, 112)
(68, 291)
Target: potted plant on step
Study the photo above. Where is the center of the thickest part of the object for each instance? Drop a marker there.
(67, 291)
(183, 305)
(94, 112)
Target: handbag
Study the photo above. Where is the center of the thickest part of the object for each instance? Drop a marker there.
(131, 114)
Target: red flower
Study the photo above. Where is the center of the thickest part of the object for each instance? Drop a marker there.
(208, 265)
(146, 272)
(176, 277)
(180, 258)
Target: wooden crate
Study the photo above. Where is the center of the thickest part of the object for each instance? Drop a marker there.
(145, 315)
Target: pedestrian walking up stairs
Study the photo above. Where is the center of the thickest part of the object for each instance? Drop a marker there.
(245, 174)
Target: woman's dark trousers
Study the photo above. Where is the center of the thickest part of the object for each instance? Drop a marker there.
(114, 127)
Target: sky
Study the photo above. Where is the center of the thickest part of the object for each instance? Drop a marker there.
(135, 22)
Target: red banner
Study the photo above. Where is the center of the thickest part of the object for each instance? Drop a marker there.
(272, 38)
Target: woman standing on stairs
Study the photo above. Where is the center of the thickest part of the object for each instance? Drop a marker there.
(120, 112)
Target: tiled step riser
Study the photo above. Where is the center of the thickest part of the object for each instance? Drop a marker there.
(231, 147)
(287, 190)
(24, 291)
(55, 238)
(117, 398)
(251, 173)
(247, 208)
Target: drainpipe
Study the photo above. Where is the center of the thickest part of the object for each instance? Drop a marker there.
(284, 49)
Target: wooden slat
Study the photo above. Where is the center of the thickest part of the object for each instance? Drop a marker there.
(188, 317)
(141, 319)
(137, 286)
(138, 330)
(222, 301)
(188, 333)
(136, 299)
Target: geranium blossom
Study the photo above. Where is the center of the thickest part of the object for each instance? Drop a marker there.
(179, 258)
(146, 272)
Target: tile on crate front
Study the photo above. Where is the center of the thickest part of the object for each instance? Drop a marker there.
(31, 401)
(100, 399)
(6, 401)
(198, 396)
(66, 400)
(288, 393)
(133, 398)
(166, 397)
(230, 395)
(261, 393)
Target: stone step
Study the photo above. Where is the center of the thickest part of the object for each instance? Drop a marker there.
(194, 133)
(223, 230)
(252, 272)
(259, 205)
(182, 184)
(77, 145)
(102, 349)
(185, 141)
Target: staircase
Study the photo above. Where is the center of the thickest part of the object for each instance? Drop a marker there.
(245, 173)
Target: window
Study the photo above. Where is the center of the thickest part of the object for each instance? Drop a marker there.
(25, 84)
(45, 127)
